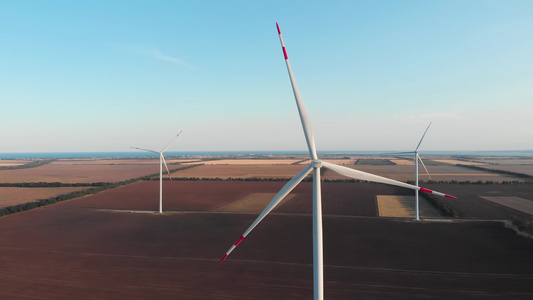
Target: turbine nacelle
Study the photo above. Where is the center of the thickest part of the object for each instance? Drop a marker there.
(317, 164)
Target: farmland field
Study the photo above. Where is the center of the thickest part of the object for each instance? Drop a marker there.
(438, 173)
(523, 169)
(154, 161)
(75, 250)
(94, 247)
(251, 162)
(355, 199)
(12, 162)
(241, 171)
(471, 205)
(505, 160)
(80, 173)
(373, 162)
(516, 203)
(338, 161)
(460, 162)
(403, 162)
(404, 207)
(17, 195)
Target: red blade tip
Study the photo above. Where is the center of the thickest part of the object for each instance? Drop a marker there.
(279, 31)
(223, 258)
(426, 190)
(239, 241)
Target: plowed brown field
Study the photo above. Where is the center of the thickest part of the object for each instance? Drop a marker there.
(444, 173)
(66, 251)
(242, 171)
(356, 199)
(17, 195)
(471, 205)
(80, 173)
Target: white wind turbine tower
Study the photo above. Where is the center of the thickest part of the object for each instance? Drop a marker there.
(316, 164)
(418, 158)
(161, 162)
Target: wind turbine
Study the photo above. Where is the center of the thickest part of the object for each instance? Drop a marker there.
(161, 162)
(418, 158)
(315, 165)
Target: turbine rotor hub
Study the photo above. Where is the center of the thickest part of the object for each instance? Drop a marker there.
(317, 164)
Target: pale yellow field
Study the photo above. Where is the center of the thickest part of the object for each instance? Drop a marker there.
(404, 207)
(251, 162)
(10, 163)
(520, 204)
(459, 162)
(255, 202)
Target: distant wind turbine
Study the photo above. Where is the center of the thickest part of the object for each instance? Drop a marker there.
(316, 164)
(417, 158)
(161, 162)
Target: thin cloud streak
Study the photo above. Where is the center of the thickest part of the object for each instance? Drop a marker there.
(152, 53)
(158, 55)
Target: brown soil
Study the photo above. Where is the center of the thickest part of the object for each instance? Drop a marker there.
(82, 173)
(471, 205)
(67, 252)
(356, 199)
(17, 195)
(444, 173)
(241, 171)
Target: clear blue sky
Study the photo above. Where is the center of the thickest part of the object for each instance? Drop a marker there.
(107, 75)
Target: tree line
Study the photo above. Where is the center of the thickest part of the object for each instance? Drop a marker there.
(503, 172)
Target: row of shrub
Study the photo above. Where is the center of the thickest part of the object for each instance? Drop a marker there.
(523, 225)
(374, 162)
(443, 207)
(503, 172)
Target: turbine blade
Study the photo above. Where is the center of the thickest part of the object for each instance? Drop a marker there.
(420, 159)
(304, 118)
(145, 150)
(165, 162)
(287, 188)
(164, 149)
(356, 174)
(423, 136)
